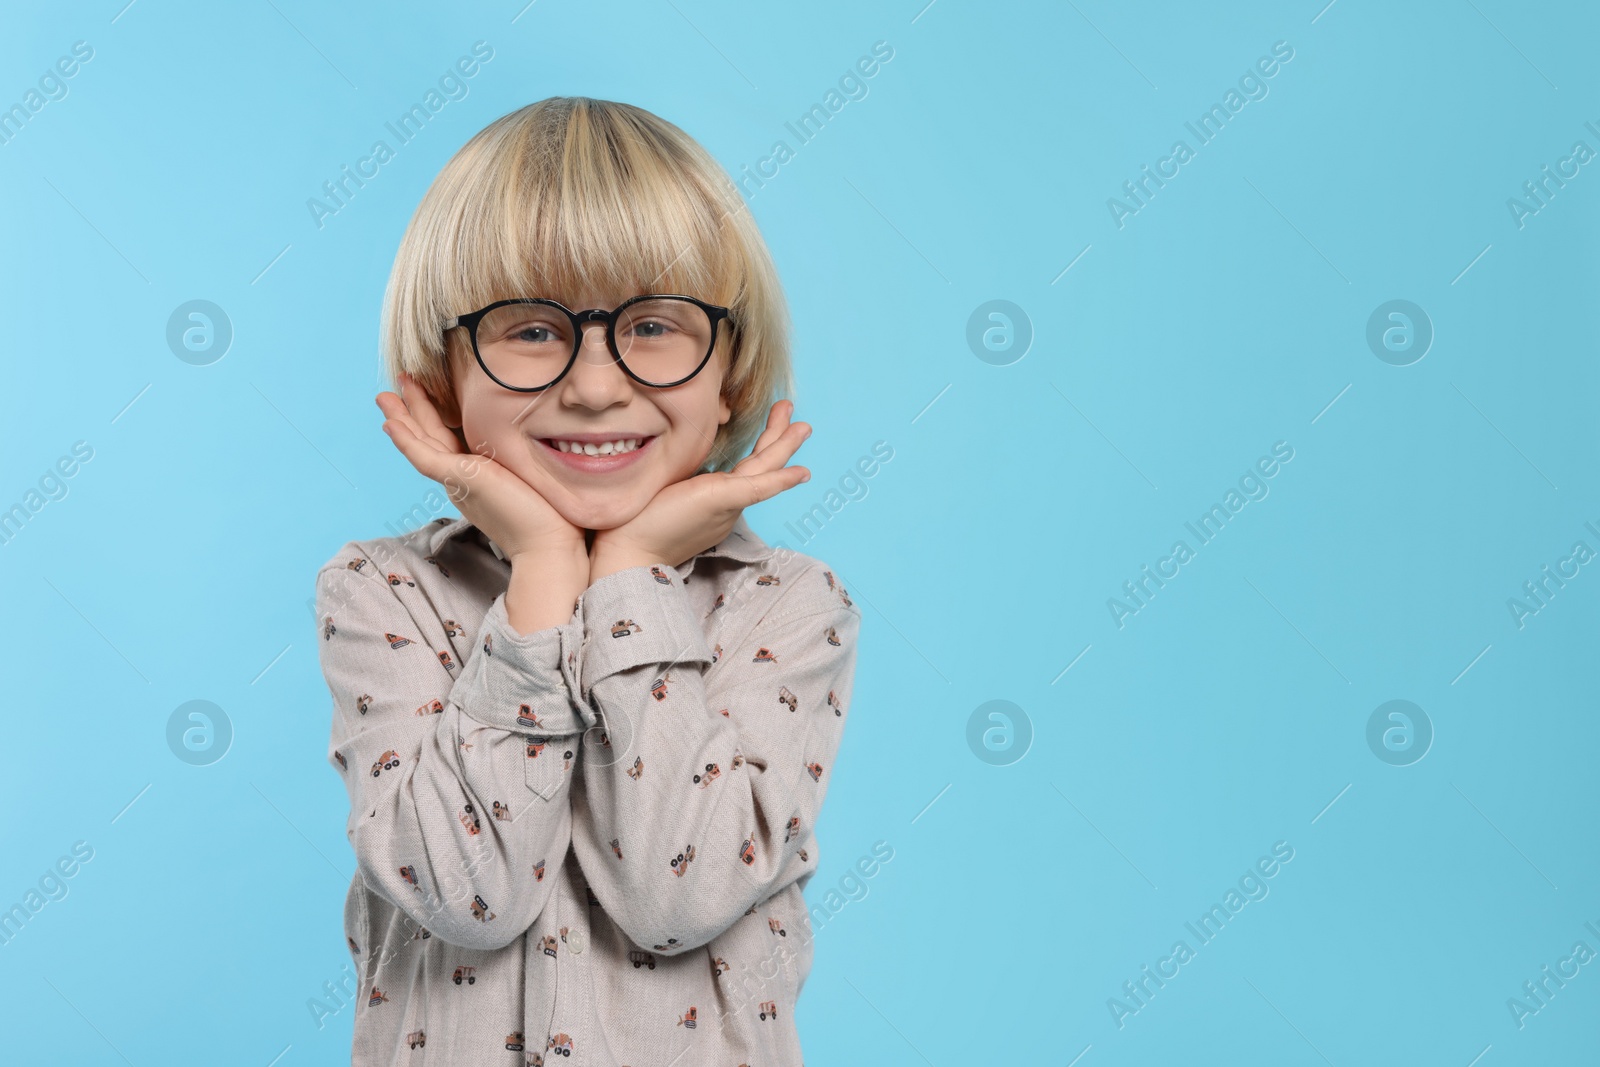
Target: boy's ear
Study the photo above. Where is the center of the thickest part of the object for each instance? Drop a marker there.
(443, 394)
(724, 410)
(449, 409)
(442, 397)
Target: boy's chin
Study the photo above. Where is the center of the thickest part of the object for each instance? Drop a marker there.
(601, 514)
(591, 509)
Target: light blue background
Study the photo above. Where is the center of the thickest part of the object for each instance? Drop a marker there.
(1229, 313)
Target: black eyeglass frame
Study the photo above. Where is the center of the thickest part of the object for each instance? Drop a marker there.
(716, 313)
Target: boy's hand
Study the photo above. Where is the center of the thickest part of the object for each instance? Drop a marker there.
(688, 517)
(514, 515)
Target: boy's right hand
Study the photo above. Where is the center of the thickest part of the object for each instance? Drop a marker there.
(510, 511)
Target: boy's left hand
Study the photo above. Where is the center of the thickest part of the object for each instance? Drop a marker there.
(688, 517)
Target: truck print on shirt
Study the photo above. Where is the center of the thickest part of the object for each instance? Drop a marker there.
(680, 862)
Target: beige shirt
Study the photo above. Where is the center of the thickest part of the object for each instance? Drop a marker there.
(585, 845)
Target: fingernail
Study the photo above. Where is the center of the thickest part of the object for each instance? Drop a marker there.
(807, 477)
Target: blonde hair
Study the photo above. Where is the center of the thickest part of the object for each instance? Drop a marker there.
(572, 193)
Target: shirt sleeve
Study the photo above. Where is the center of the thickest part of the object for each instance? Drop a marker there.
(459, 786)
(701, 798)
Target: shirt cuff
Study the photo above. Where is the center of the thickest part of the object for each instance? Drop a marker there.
(522, 682)
(635, 616)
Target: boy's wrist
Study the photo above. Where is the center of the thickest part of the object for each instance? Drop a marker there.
(564, 559)
(608, 561)
(545, 587)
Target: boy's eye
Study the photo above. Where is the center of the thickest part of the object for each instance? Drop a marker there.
(523, 325)
(652, 328)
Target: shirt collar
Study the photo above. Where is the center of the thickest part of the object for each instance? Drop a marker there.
(742, 542)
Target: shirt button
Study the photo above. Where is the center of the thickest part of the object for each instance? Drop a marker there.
(575, 940)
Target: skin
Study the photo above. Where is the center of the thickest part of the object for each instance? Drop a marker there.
(562, 529)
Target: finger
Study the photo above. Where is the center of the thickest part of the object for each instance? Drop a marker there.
(776, 452)
(420, 452)
(765, 485)
(413, 407)
(395, 408)
(777, 422)
(426, 413)
(459, 471)
(761, 457)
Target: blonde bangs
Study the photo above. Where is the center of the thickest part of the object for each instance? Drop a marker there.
(571, 196)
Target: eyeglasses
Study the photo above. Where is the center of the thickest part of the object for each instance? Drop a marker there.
(529, 344)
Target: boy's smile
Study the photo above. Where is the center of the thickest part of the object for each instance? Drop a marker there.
(642, 439)
(598, 453)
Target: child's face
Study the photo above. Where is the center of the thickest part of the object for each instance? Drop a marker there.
(517, 430)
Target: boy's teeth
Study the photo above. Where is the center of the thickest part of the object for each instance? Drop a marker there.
(606, 448)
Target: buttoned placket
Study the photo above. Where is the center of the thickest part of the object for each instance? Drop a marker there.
(574, 984)
(572, 1007)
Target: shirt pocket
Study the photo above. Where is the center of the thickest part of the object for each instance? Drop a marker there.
(546, 763)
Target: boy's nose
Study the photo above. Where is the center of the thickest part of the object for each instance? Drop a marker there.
(595, 380)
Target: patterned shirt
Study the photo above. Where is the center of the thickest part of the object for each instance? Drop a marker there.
(585, 845)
